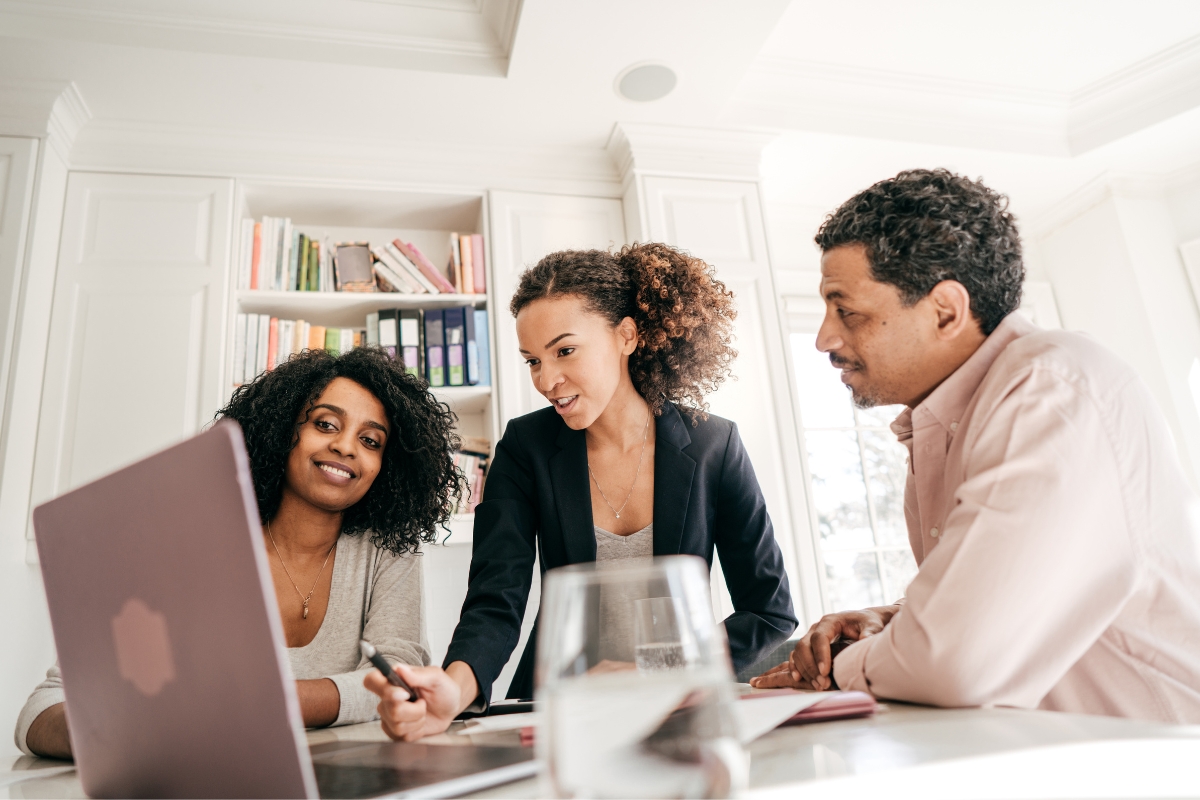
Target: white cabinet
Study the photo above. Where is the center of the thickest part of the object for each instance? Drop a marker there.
(721, 221)
(18, 158)
(525, 227)
(135, 349)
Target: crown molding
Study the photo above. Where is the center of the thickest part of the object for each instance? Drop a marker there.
(1111, 184)
(441, 166)
(465, 37)
(676, 150)
(1136, 97)
(50, 110)
(798, 94)
(805, 95)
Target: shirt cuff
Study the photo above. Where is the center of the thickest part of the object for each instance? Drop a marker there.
(37, 703)
(849, 668)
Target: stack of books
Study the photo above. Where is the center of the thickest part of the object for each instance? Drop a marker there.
(274, 255)
(445, 346)
(472, 460)
(262, 342)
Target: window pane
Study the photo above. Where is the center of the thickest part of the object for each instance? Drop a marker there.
(887, 468)
(899, 568)
(839, 493)
(879, 416)
(824, 400)
(852, 581)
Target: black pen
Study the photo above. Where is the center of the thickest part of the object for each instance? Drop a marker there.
(383, 666)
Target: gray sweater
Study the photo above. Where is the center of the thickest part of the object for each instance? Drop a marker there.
(375, 595)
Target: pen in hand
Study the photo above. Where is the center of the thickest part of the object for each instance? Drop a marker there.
(383, 666)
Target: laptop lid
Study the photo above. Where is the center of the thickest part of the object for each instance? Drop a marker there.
(172, 652)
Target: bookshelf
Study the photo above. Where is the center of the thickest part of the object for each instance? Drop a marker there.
(375, 215)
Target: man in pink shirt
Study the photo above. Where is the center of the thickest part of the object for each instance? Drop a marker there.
(1055, 531)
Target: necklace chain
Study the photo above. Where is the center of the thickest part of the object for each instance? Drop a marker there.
(303, 598)
(617, 511)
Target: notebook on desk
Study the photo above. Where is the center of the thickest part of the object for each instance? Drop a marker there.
(172, 652)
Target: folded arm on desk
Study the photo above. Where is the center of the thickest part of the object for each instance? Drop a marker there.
(1026, 577)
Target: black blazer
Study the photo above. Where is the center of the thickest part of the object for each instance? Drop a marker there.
(537, 500)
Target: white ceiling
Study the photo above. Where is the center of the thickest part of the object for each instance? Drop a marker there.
(1043, 94)
(1059, 46)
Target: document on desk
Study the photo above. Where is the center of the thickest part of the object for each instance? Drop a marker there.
(757, 714)
(504, 722)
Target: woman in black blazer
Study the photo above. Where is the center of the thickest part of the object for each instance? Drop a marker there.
(624, 462)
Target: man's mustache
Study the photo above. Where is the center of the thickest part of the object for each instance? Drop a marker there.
(844, 363)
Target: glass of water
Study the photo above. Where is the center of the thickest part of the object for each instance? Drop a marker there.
(634, 680)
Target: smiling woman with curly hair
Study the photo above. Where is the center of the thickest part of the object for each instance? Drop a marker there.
(625, 464)
(351, 461)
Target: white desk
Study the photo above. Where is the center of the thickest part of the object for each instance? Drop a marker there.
(901, 752)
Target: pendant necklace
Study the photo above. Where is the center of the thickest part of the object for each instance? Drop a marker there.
(617, 511)
(303, 598)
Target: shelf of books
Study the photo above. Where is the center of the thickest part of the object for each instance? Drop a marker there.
(321, 267)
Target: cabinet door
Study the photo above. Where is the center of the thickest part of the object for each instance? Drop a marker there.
(721, 222)
(524, 228)
(133, 362)
(17, 161)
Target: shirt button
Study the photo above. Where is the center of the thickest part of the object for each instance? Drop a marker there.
(933, 532)
(954, 426)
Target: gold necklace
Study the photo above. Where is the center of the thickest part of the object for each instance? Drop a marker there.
(617, 512)
(303, 598)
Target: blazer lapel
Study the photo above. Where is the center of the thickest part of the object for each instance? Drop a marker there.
(573, 496)
(673, 471)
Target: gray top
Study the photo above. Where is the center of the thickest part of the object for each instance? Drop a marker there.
(616, 602)
(374, 595)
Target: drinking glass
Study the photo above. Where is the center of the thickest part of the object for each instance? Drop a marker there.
(635, 683)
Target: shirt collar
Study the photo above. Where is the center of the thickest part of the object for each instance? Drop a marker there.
(947, 403)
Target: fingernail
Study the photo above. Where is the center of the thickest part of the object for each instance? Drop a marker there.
(795, 675)
(821, 666)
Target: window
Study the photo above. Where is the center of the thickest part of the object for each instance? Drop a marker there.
(857, 470)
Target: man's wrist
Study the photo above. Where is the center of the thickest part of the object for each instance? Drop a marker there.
(468, 685)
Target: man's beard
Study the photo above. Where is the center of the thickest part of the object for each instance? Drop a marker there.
(865, 398)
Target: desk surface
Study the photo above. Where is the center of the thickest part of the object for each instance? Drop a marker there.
(975, 753)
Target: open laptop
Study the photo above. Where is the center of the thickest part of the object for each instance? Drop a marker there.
(172, 651)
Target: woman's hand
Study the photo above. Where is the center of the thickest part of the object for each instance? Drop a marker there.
(812, 662)
(441, 696)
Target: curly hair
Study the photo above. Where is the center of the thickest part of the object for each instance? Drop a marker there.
(418, 485)
(684, 315)
(927, 226)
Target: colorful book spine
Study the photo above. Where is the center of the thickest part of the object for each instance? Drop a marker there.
(454, 331)
(479, 263)
(333, 340)
(272, 342)
(414, 254)
(468, 264)
(483, 345)
(264, 344)
(471, 354)
(389, 334)
(409, 268)
(410, 341)
(454, 269)
(435, 366)
(256, 256)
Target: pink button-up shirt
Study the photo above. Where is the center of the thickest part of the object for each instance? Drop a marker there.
(1057, 540)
